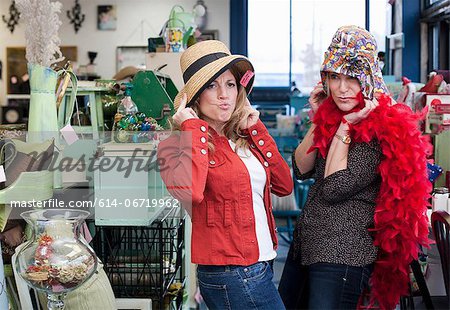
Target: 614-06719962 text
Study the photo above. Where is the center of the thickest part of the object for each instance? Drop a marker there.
(137, 203)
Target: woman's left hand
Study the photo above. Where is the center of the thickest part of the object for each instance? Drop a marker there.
(356, 117)
(251, 116)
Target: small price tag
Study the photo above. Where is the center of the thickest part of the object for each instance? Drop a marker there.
(69, 134)
(246, 78)
(2, 174)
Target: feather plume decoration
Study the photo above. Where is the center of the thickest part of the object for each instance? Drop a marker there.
(41, 30)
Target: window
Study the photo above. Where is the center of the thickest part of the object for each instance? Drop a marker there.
(438, 41)
(435, 47)
(428, 3)
(314, 23)
(287, 38)
(268, 41)
(380, 22)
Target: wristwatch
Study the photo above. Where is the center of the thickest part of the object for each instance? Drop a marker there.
(346, 138)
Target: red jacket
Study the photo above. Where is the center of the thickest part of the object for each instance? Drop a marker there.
(215, 189)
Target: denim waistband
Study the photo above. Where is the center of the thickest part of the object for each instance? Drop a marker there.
(227, 268)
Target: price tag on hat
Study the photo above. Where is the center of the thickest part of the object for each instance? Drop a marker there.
(69, 134)
(246, 78)
(2, 174)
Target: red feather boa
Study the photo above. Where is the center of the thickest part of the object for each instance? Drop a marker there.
(401, 224)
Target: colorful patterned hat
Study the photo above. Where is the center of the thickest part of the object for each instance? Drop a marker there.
(353, 52)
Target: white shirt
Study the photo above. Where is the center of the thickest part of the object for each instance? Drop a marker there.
(258, 181)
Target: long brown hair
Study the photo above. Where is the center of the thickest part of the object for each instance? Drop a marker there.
(231, 128)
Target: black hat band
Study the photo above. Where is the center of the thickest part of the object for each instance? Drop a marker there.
(200, 63)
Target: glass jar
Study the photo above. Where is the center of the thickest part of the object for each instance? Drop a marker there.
(55, 260)
(440, 199)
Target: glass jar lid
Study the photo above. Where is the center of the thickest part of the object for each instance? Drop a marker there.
(441, 190)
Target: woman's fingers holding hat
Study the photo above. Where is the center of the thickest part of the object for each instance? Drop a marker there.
(367, 108)
(317, 96)
(183, 102)
(191, 112)
(184, 114)
(249, 107)
(356, 117)
(247, 102)
(371, 104)
(375, 102)
(317, 89)
(243, 121)
(250, 117)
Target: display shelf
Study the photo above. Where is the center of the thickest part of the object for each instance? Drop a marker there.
(145, 262)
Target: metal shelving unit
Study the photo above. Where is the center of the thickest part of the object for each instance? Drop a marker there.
(146, 261)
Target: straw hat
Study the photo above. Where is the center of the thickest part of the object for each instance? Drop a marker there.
(129, 71)
(203, 62)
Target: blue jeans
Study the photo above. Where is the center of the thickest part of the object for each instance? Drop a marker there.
(334, 286)
(239, 287)
(322, 285)
(293, 285)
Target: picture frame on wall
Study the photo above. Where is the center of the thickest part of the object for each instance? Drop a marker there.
(130, 56)
(17, 71)
(106, 17)
(208, 35)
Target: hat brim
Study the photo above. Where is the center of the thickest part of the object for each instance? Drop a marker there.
(206, 75)
(129, 71)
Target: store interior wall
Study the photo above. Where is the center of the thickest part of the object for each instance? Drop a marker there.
(137, 20)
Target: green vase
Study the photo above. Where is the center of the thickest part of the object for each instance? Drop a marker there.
(42, 117)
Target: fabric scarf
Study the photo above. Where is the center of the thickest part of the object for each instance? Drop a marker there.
(400, 221)
(353, 52)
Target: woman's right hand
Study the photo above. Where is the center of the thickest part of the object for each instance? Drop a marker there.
(316, 97)
(250, 116)
(183, 113)
(355, 117)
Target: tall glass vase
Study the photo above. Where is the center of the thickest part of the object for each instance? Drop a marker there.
(42, 117)
(55, 260)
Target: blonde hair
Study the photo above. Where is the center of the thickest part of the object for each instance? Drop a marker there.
(231, 129)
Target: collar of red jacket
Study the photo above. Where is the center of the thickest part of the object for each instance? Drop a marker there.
(400, 222)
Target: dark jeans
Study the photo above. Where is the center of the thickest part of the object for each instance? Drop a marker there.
(239, 287)
(293, 286)
(322, 285)
(334, 286)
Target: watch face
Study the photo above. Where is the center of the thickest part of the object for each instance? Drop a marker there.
(346, 139)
